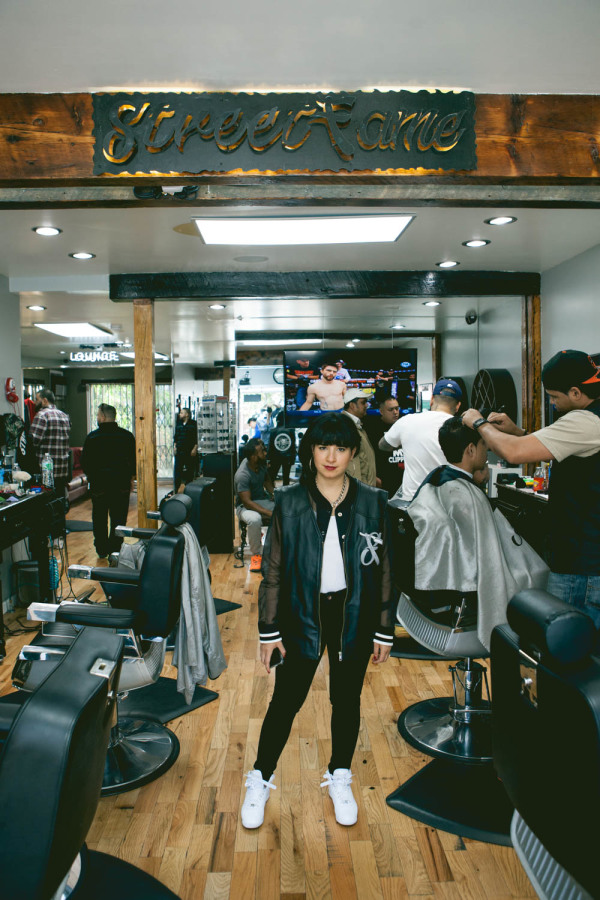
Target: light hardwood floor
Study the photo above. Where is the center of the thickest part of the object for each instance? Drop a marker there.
(185, 828)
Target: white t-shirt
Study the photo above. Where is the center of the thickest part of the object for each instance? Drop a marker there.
(577, 433)
(417, 434)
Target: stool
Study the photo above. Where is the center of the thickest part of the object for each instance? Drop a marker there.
(239, 553)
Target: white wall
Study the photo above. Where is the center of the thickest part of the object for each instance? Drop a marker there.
(493, 342)
(571, 305)
(10, 366)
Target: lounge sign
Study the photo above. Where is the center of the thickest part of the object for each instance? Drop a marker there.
(94, 356)
(168, 133)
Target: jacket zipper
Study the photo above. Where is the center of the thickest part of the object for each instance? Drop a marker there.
(319, 590)
(346, 580)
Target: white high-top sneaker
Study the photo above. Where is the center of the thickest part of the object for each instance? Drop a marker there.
(257, 794)
(344, 804)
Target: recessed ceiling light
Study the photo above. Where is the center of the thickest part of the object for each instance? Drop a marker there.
(217, 306)
(447, 264)
(47, 230)
(501, 220)
(397, 326)
(476, 242)
(302, 230)
(82, 254)
(350, 344)
(75, 329)
(36, 308)
(431, 303)
(63, 352)
(356, 340)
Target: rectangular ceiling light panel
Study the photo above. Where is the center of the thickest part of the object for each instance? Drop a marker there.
(75, 330)
(266, 232)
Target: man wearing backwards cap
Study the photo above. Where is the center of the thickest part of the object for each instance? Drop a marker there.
(572, 382)
(418, 436)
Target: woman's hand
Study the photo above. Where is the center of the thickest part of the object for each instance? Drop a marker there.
(266, 651)
(380, 652)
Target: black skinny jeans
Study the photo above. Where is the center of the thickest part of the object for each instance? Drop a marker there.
(293, 679)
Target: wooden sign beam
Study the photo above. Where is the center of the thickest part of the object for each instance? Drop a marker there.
(145, 409)
(48, 139)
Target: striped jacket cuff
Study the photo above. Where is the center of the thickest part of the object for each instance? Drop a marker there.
(269, 636)
(384, 638)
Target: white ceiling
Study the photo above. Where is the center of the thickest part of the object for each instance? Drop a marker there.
(545, 46)
(536, 46)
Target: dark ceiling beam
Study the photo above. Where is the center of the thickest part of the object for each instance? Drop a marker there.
(295, 193)
(319, 285)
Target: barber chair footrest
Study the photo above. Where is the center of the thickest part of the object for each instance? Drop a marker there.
(140, 751)
(469, 801)
(430, 727)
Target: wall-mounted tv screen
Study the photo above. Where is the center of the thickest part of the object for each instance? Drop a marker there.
(317, 380)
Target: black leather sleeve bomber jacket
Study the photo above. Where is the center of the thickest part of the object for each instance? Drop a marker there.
(292, 558)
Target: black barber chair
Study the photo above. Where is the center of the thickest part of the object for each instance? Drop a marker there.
(148, 608)
(51, 765)
(546, 729)
(458, 791)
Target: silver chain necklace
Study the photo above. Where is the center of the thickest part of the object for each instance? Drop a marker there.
(341, 494)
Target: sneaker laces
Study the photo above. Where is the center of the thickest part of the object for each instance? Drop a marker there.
(256, 785)
(338, 783)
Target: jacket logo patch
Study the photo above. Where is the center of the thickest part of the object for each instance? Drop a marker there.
(368, 555)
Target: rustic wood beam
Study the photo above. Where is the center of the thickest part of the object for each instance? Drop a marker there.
(320, 285)
(48, 139)
(145, 409)
(531, 363)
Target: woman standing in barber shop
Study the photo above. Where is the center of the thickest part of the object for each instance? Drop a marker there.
(326, 584)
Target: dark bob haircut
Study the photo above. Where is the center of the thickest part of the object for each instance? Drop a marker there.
(455, 437)
(324, 430)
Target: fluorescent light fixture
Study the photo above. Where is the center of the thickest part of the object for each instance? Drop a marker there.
(217, 306)
(82, 254)
(397, 326)
(431, 303)
(36, 308)
(293, 342)
(447, 264)
(156, 355)
(47, 230)
(75, 329)
(356, 340)
(476, 242)
(302, 230)
(501, 220)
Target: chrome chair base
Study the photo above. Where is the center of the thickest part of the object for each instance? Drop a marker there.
(431, 726)
(139, 752)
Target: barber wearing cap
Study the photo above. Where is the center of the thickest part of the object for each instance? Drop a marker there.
(572, 444)
(417, 434)
(362, 466)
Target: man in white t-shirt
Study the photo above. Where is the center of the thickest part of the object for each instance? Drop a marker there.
(572, 444)
(417, 434)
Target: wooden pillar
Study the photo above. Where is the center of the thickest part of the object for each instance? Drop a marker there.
(531, 333)
(436, 356)
(145, 409)
(226, 381)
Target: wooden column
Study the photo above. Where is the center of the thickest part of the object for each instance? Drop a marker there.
(226, 381)
(436, 356)
(531, 333)
(145, 409)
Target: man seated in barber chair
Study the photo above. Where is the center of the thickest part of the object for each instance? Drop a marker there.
(466, 556)
(254, 506)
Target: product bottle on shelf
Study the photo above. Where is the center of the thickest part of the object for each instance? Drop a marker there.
(539, 478)
(47, 471)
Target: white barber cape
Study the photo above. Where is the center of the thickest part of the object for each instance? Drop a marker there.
(462, 545)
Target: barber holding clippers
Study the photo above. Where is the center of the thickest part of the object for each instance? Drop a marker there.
(572, 444)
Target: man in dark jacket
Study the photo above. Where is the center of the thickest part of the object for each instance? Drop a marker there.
(108, 459)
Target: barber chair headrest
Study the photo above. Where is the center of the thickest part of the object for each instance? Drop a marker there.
(175, 510)
(550, 627)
